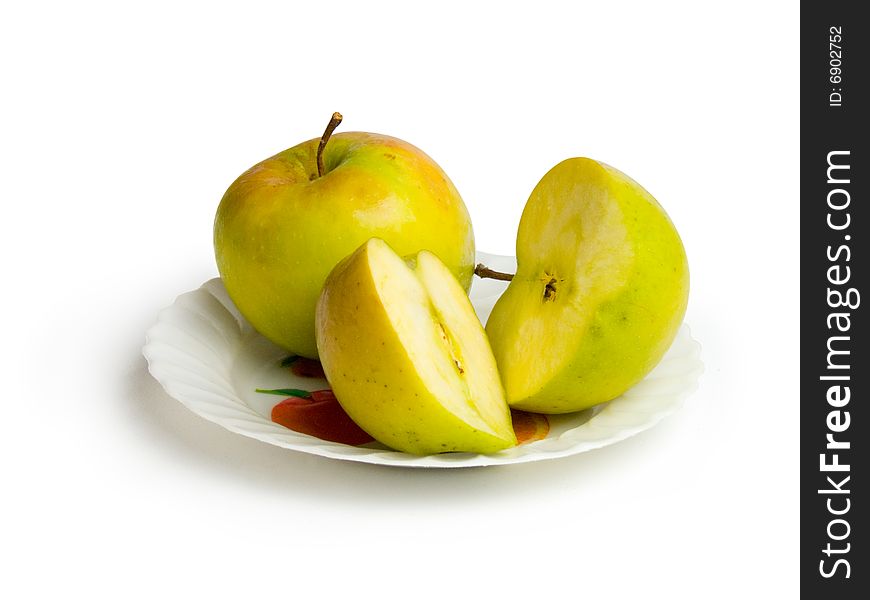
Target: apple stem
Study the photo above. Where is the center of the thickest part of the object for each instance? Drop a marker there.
(484, 272)
(333, 123)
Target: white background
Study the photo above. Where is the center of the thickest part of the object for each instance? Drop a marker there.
(122, 125)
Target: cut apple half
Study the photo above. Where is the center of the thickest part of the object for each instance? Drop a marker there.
(601, 288)
(407, 357)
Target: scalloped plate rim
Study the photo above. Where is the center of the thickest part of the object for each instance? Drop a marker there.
(272, 433)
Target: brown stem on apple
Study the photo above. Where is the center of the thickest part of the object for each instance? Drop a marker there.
(333, 123)
(485, 272)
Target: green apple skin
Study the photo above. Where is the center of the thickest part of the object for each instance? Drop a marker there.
(619, 286)
(406, 356)
(280, 229)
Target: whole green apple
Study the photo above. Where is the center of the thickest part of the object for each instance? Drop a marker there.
(286, 222)
(601, 288)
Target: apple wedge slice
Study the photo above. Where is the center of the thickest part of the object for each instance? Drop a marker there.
(407, 357)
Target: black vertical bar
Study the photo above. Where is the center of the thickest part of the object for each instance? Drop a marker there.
(835, 367)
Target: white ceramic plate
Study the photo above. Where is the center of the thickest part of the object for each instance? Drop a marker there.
(211, 360)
